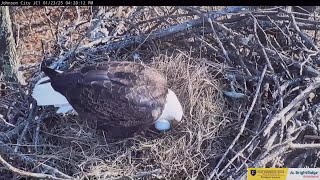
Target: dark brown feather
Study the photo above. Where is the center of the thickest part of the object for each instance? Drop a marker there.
(124, 97)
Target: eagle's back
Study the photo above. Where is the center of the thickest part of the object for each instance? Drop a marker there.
(124, 97)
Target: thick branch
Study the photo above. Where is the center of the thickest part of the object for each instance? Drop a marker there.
(8, 57)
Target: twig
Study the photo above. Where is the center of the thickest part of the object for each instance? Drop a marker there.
(213, 173)
(5, 122)
(58, 23)
(280, 95)
(304, 94)
(237, 155)
(309, 69)
(28, 122)
(47, 13)
(37, 129)
(260, 44)
(300, 158)
(5, 149)
(219, 42)
(302, 35)
(314, 137)
(304, 146)
(100, 47)
(148, 173)
(206, 43)
(25, 173)
(274, 152)
(90, 29)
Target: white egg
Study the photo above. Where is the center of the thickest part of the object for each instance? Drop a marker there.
(162, 125)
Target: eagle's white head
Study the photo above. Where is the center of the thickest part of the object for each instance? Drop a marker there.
(171, 114)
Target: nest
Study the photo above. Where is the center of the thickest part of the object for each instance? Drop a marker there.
(247, 81)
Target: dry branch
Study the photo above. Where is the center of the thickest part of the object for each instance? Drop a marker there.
(253, 103)
(25, 173)
(5, 149)
(302, 96)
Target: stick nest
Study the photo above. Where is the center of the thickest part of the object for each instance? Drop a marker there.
(247, 81)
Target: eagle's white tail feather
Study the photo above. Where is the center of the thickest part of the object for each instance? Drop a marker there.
(45, 95)
(65, 108)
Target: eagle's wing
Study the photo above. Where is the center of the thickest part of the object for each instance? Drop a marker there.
(117, 94)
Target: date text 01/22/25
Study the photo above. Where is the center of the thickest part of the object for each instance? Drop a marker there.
(63, 3)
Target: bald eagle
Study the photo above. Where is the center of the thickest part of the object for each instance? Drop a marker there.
(123, 98)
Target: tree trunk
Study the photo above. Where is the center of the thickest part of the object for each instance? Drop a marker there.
(9, 63)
